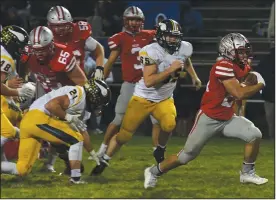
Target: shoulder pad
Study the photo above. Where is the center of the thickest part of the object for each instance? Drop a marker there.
(148, 55)
(187, 48)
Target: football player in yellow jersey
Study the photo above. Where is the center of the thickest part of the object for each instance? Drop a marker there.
(153, 94)
(56, 117)
(13, 40)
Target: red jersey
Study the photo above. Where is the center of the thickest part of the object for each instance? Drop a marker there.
(52, 74)
(216, 103)
(130, 46)
(81, 31)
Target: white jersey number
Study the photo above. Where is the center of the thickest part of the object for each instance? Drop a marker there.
(63, 57)
(135, 51)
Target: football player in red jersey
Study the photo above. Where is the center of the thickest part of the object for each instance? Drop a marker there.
(127, 45)
(216, 114)
(77, 36)
(54, 66)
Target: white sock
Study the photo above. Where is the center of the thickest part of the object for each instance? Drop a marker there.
(102, 149)
(75, 173)
(8, 168)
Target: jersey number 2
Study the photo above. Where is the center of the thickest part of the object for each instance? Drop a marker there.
(73, 93)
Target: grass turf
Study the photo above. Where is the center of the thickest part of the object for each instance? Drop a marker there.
(213, 174)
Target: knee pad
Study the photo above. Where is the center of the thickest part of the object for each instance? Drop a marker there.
(184, 157)
(118, 119)
(75, 151)
(253, 134)
(23, 168)
(123, 136)
(168, 123)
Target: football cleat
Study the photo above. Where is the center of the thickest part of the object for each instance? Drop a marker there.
(99, 168)
(150, 179)
(77, 182)
(159, 154)
(252, 177)
(49, 168)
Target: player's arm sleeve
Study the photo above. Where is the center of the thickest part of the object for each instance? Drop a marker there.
(90, 44)
(75, 95)
(147, 57)
(114, 42)
(224, 72)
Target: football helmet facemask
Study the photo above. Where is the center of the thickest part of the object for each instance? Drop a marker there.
(60, 22)
(133, 19)
(97, 93)
(169, 35)
(236, 47)
(41, 43)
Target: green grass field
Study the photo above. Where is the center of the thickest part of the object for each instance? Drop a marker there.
(214, 174)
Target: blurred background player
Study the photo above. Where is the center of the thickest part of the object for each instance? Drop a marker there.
(13, 40)
(57, 117)
(216, 114)
(153, 94)
(77, 36)
(127, 45)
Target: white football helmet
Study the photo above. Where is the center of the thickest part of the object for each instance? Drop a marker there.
(60, 21)
(41, 42)
(130, 14)
(235, 47)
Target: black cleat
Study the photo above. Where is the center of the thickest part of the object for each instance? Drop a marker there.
(159, 154)
(99, 168)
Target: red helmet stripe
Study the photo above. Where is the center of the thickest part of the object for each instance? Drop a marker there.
(57, 10)
(60, 12)
(132, 9)
(136, 10)
(38, 36)
(34, 36)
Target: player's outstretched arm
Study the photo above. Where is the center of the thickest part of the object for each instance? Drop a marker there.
(190, 69)
(111, 60)
(234, 88)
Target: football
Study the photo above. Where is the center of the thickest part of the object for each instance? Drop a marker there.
(250, 79)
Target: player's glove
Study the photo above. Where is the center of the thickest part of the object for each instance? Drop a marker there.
(197, 83)
(99, 73)
(259, 77)
(27, 90)
(75, 122)
(93, 156)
